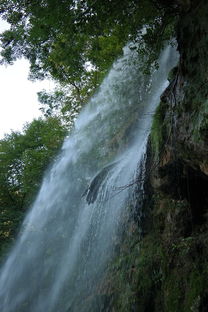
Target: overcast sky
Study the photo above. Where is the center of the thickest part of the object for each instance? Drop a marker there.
(18, 96)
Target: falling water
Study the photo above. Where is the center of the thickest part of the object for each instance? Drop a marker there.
(73, 227)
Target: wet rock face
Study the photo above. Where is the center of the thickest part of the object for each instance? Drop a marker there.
(178, 177)
(185, 120)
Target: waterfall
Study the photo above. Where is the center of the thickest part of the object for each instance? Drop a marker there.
(72, 230)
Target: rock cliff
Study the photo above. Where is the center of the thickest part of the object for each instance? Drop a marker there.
(164, 265)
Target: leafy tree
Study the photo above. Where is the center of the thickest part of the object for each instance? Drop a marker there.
(62, 39)
(25, 156)
(23, 159)
(59, 37)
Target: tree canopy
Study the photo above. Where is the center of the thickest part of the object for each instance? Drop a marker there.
(24, 157)
(60, 37)
(76, 41)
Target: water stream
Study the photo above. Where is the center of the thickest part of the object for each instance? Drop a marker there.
(72, 229)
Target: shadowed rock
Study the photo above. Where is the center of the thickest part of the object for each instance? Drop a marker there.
(91, 192)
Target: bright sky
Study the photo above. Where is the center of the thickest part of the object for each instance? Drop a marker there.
(18, 96)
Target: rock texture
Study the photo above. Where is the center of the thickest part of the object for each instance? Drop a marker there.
(164, 267)
(177, 226)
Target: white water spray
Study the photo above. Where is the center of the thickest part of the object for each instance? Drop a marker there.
(67, 239)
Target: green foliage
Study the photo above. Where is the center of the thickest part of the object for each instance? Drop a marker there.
(60, 37)
(76, 42)
(9, 224)
(25, 156)
(157, 131)
(66, 101)
(23, 159)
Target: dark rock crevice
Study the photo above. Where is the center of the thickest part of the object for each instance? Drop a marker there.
(194, 187)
